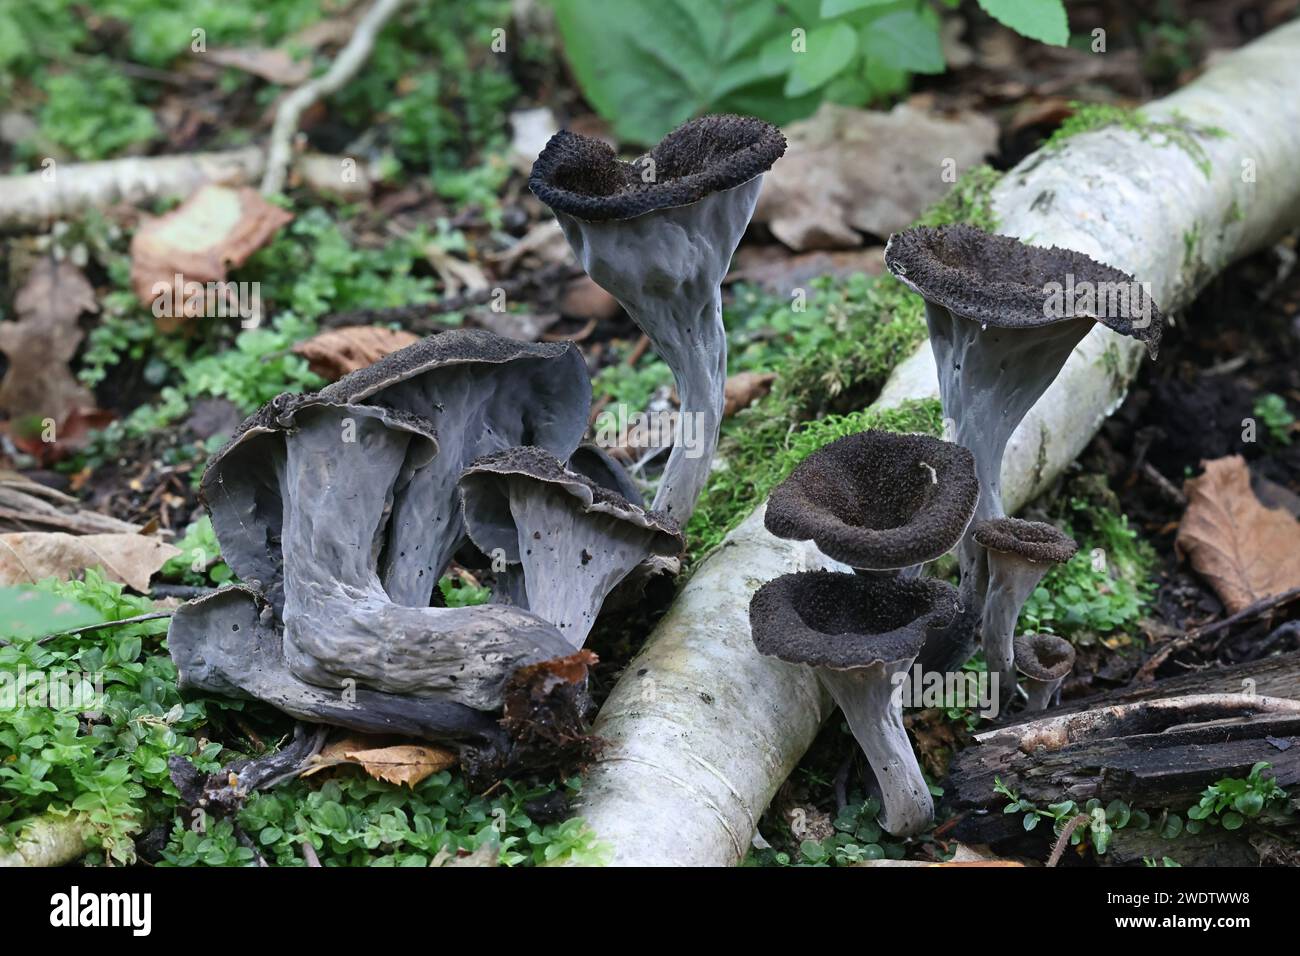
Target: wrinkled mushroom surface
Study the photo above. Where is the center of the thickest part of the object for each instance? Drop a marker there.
(1044, 661)
(658, 234)
(478, 391)
(225, 643)
(1019, 553)
(878, 500)
(571, 539)
(344, 465)
(861, 634)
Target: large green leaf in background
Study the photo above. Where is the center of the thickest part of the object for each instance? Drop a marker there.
(28, 612)
(649, 66)
(1042, 20)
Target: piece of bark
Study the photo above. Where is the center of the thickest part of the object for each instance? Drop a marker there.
(1149, 754)
(49, 840)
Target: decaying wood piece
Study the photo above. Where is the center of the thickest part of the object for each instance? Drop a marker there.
(692, 767)
(1151, 754)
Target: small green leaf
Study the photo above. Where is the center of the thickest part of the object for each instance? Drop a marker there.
(904, 41)
(1042, 20)
(1233, 820)
(830, 48)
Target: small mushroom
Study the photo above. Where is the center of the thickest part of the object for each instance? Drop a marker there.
(861, 634)
(658, 234)
(1001, 330)
(1044, 660)
(1019, 553)
(572, 540)
(878, 500)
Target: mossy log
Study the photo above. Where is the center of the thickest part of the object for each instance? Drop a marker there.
(701, 729)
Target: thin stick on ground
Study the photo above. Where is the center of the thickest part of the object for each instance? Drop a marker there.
(345, 66)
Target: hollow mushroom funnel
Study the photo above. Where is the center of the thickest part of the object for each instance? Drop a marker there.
(1019, 553)
(572, 539)
(658, 234)
(1044, 661)
(1002, 323)
(861, 634)
(878, 501)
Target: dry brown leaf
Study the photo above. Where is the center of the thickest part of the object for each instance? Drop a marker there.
(269, 63)
(743, 389)
(129, 559)
(337, 352)
(396, 763)
(216, 228)
(38, 384)
(774, 269)
(1244, 550)
(403, 763)
(583, 299)
(849, 171)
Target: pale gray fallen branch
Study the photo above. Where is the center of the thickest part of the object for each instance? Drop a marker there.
(36, 199)
(701, 729)
(345, 66)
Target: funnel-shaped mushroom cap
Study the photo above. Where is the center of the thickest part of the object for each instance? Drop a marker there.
(1000, 281)
(574, 539)
(847, 621)
(480, 391)
(878, 500)
(658, 234)
(1044, 657)
(583, 177)
(1034, 541)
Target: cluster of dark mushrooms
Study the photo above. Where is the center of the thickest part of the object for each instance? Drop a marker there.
(887, 504)
(339, 510)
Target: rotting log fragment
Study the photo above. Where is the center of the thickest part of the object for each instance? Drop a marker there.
(1154, 755)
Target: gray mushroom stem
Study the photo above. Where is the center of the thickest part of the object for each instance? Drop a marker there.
(565, 540)
(868, 697)
(343, 466)
(989, 379)
(1011, 581)
(666, 269)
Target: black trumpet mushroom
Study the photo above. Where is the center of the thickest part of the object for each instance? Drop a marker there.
(566, 541)
(658, 234)
(861, 634)
(339, 510)
(1044, 661)
(1003, 318)
(878, 500)
(1019, 553)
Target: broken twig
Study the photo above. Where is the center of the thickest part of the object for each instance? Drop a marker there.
(345, 66)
